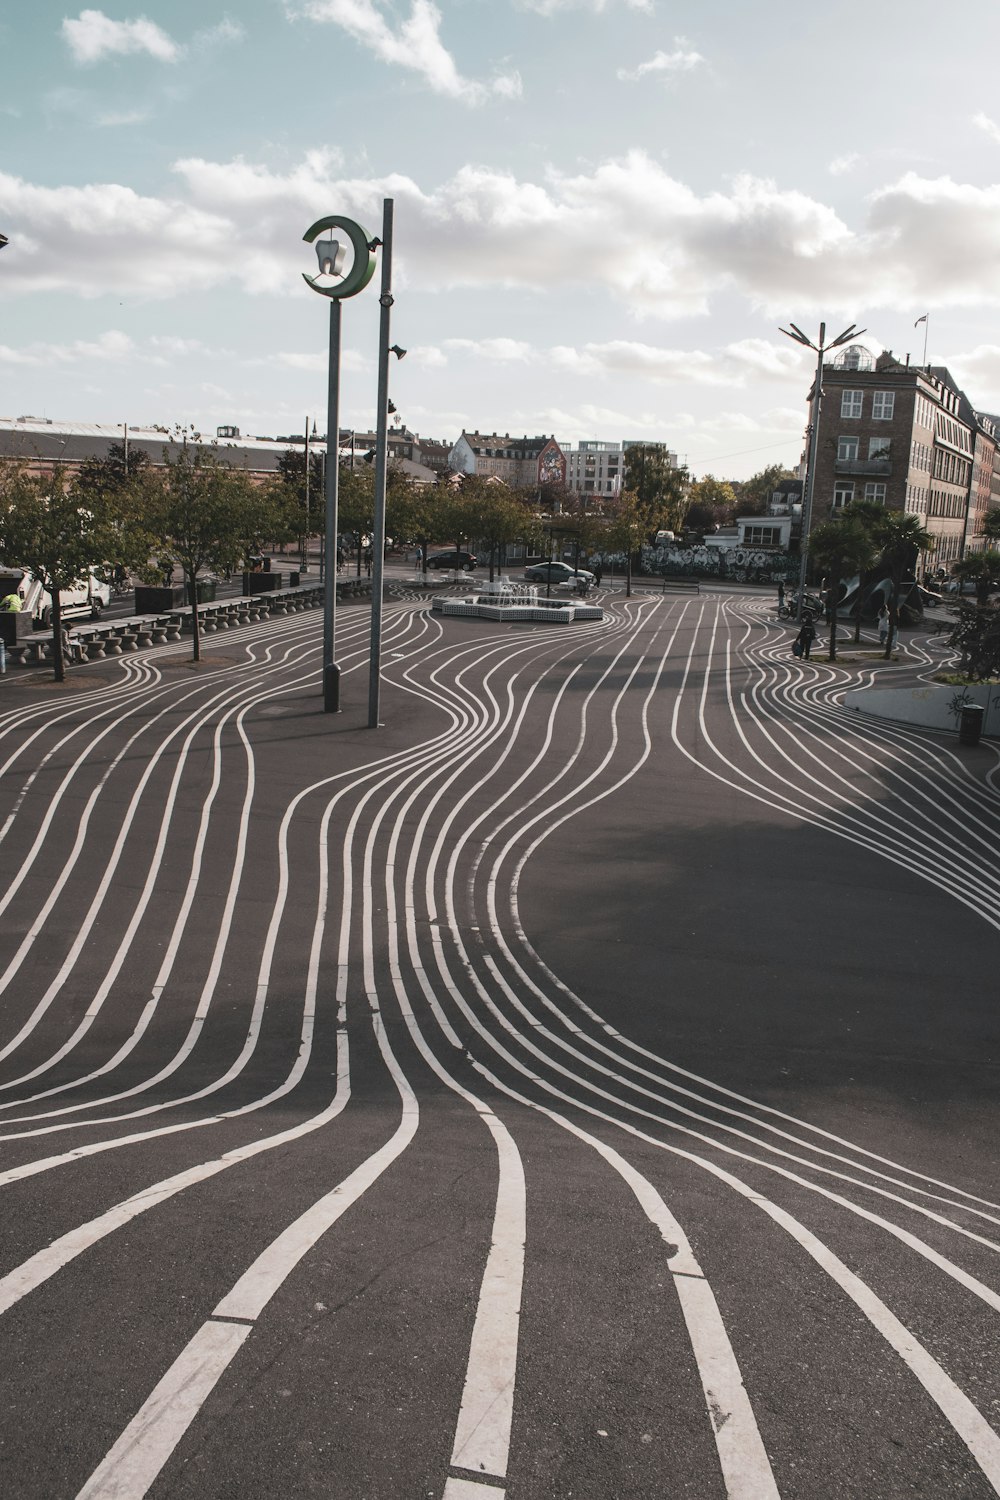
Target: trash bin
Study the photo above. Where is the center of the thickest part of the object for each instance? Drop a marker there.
(970, 723)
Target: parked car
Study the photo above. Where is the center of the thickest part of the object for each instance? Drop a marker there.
(466, 561)
(557, 572)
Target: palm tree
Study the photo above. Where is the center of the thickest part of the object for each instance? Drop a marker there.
(841, 549)
(869, 513)
(901, 537)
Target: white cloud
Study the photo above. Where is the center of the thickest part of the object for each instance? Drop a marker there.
(841, 165)
(504, 350)
(551, 7)
(94, 35)
(115, 118)
(416, 45)
(681, 60)
(221, 34)
(988, 126)
(113, 345)
(746, 363)
(429, 356)
(624, 229)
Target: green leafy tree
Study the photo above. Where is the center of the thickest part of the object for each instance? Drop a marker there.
(205, 516)
(713, 502)
(982, 570)
(628, 526)
(753, 494)
(840, 548)
(660, 491)
(496, 516)
(901, 537)
(303, 503)
(116, 475)
(49, 528)
(991, 526)
(976, 637)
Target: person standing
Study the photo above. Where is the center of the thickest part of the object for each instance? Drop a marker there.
(11, 603)
(806, 635)
(597, 568)
(883, 625)
(781, 593)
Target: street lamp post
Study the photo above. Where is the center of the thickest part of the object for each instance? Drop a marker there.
(381, 462)
(331, 255)
(807, 502)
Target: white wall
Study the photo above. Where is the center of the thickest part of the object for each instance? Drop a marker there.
(927, 705)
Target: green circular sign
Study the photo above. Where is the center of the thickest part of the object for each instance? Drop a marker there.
(361, 271)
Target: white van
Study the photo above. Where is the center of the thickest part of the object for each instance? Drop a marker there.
(89, 597)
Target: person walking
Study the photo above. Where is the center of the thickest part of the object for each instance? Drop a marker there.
(781, 593)
(806, 635)
(597, 568)
(883, 625)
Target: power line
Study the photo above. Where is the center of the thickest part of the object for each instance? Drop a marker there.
(736, 453)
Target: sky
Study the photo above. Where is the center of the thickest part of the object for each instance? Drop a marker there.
(604, 210)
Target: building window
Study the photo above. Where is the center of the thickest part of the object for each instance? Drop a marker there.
(875, 492)
(851, 403)
(878, 447)
(847, 450)
(843, 494)
(762, 536)
(883, 405)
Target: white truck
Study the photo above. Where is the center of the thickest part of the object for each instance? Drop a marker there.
(88, 597)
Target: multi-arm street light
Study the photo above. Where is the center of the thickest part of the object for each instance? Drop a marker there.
(807, 501)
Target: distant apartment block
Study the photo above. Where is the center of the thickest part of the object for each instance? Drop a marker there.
(522, 463)
(595, 469)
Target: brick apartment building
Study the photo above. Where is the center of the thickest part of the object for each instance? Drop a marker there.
(522, 463)
(906, 437)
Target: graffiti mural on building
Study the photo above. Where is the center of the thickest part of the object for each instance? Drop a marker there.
(742, 564)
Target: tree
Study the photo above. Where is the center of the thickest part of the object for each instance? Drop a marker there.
(869, 513)
(628, 524)
(991, 526)
(57, 534)
(976, 637)
(840, 548)
(115, 475)
(660, 491)
(982, 570)
(901, 538)
(304, 502)
(204, 515)
(713, 502)
(754, 493)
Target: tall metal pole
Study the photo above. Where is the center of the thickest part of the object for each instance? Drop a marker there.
(807, 502)
(305, 536)
(381, 456)
(331, 671)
